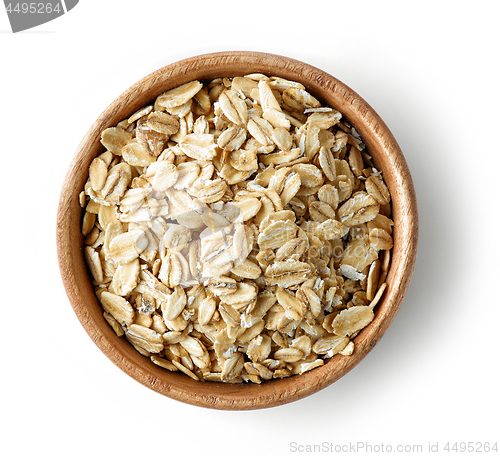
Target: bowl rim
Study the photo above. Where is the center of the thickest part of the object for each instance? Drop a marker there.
(376, 135)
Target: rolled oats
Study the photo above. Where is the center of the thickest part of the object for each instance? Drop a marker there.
(321, 212)
(145, 338)
(351, 320)
(125, 278)
(232, 139)
(126, 247)
(88, 222)
(177, 96)
(237, 230)
(359, 209)
(310, 175)
(163, 123)
(376, 187)
(380, 239)
(327, 163)
(298, 99)
(288, 274)
(330, 345)
(98, 172)
(114, 139)
(234, 107)
(174, 305)
(119, 308)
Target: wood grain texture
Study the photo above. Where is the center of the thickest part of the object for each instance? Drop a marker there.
(380, 143)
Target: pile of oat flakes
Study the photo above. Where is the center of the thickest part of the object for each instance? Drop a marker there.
(237, 230)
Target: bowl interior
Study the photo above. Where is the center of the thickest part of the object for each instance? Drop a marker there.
(387, 157)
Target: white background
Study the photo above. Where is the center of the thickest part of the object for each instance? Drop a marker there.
(429, 68)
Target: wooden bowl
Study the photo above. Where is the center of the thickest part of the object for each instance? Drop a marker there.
(387, 157)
